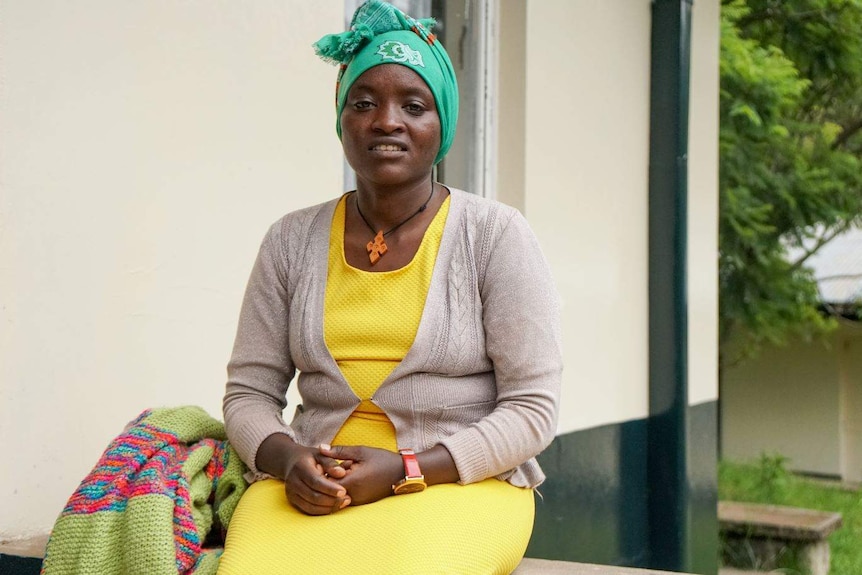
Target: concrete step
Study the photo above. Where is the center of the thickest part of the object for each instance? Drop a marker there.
(531, 566)
(33, 546)
(21, 557)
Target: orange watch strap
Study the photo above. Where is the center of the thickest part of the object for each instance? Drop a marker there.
(411, 464)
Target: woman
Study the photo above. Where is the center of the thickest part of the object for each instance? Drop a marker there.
(422, 320)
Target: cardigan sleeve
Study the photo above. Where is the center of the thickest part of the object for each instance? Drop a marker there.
(260, 368)
(521, 319)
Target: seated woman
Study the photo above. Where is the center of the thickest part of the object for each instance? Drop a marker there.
(424, 325)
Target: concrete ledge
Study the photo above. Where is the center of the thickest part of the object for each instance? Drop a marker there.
(27, 547)
(545, 567)
(35, 547)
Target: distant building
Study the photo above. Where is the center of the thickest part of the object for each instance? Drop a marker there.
(804, 400)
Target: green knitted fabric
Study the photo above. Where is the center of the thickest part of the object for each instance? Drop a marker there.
(165, 485)
(380, 33)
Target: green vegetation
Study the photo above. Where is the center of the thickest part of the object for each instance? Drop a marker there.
(768, 481)
(790, 161)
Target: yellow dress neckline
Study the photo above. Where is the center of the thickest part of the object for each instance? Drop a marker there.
(338, 220)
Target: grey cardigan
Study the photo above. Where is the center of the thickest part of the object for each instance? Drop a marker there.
(482, 376)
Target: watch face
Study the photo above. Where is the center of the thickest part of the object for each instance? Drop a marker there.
(409, 487)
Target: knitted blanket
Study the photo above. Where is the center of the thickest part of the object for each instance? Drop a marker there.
(168, 483)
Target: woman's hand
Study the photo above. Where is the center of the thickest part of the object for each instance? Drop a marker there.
(371, 473)
(311, 478)
(309, 482)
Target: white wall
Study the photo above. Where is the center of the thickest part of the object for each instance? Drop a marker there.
(703, 204)
(786, 401)
(146, 148)
(587, 151)
(586, 195)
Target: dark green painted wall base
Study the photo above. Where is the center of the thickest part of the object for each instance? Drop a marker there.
(594, 504)
(703, 487)
(11, 565)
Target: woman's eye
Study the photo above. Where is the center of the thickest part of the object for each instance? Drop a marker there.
(414, 108)
(362, 105)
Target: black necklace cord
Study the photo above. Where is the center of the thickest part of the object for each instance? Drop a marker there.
(413, 215)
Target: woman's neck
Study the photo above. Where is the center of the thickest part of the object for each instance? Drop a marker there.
(388, 206)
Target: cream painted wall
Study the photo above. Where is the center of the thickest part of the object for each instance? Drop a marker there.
(511, 103)
(586, 194)
(703, 204)
(587, 138)
(146, 148)
(786, 401)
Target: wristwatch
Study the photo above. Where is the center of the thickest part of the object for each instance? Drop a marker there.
(413, 481)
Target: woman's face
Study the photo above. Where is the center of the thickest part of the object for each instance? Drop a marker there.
(390, 128)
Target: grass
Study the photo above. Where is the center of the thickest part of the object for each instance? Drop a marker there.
(768, 481)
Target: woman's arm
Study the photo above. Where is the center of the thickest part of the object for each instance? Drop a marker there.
(259, 372)
(260, 366)
(521, 320)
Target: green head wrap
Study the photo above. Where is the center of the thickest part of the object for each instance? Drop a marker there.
(382, 34)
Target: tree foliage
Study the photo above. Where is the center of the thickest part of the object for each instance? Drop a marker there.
(790, 160)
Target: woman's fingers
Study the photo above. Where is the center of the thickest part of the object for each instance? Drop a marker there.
(344, 453)
(316, 508)
(313, 502)
(310, 491)
(324, 485)
(373, 473)
(334, 468)
(335, 462)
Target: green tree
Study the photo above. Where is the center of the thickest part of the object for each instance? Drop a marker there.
(790, 161)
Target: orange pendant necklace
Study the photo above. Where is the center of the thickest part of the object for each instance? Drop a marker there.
(377, 247)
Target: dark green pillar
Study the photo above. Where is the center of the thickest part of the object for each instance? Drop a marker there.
(667, 432)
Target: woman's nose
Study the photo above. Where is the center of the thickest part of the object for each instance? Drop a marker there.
(388, 118)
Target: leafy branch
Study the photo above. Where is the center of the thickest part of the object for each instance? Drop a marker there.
(790, 162)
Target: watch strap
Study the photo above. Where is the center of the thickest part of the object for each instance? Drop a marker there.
(411, 464)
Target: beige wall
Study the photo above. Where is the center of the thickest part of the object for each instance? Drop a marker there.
(511, 102)
(586, 193)
(146, 148)
(703, 204)
(786, 401)
(587, 138)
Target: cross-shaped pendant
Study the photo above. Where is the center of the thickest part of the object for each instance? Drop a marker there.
(376, 248)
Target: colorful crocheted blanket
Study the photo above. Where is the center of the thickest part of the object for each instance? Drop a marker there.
(162, 488)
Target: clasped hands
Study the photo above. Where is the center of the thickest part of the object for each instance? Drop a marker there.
(323, 480)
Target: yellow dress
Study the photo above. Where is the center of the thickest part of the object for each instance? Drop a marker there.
(481, 528)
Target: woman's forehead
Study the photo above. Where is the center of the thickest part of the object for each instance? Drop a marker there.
(391, 77)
